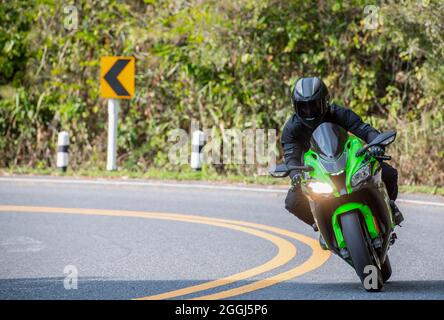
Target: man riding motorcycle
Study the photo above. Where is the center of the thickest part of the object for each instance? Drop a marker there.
(310, 100)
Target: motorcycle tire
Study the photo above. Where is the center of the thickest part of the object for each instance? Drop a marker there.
(386, 270)
(358, 248)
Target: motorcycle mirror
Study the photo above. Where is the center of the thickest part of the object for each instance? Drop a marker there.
(301, 168)
(276, 174)
(391, 136)
(382, 139)
(280, 171)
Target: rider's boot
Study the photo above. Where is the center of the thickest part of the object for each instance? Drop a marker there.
(397, 215)
(322, 242)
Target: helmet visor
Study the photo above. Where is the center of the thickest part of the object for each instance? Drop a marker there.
(310, 109)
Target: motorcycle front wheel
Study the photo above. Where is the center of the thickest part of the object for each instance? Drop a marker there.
(359, 250)
(386, 270)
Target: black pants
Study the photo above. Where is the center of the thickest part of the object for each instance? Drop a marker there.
(297, 203)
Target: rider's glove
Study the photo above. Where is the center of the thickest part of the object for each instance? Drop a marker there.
(296, 180)
(376, 151)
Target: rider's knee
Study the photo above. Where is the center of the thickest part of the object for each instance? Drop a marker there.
(293, 200)
(290, 202)
(391, 173)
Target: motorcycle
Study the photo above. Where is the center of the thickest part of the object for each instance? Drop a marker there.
(351, 206)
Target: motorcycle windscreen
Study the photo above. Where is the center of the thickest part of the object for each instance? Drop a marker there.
(328, 141)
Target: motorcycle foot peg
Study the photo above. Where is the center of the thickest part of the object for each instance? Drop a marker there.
(344, 253)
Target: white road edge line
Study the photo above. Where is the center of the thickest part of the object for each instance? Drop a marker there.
(141, 184)
(427, 203)
(178, 185)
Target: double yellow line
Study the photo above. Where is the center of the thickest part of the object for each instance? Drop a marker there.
(286, 250)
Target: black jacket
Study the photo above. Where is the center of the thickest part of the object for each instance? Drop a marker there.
(296, 136)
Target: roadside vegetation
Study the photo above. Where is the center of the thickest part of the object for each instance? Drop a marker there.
(226, 64)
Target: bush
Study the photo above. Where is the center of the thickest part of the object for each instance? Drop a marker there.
(224, 63)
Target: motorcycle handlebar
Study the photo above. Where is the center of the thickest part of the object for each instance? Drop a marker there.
(300, 168)
(383, 157)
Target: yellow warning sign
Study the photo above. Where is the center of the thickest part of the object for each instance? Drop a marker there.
(117, 77)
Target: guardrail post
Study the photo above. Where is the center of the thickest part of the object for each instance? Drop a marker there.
(62, 151)
(197, 143)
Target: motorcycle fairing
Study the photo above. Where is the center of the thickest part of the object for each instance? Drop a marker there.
(372, 227)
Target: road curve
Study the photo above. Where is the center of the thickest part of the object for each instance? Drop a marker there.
(131, 239)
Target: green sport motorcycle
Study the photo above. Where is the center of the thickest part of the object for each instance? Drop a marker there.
(351, 205)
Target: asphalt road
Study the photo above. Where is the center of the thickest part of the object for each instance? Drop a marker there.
(130, 240)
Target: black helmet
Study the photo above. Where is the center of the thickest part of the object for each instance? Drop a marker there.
(310, 100)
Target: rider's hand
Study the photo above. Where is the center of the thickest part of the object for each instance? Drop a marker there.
(376, 151)
(296, 180)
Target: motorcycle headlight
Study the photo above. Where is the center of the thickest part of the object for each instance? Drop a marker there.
(320, 187)
(361, 175)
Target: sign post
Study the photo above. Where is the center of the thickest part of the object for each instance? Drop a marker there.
(117, 81)
(113, 115)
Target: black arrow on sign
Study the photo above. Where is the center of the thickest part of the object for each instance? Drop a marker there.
(113, 73)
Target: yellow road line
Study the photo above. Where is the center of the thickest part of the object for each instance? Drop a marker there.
(286, 250)
(317, 258)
